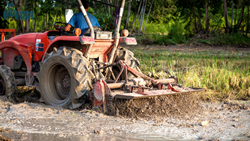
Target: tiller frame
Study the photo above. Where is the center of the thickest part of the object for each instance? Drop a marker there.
(141, 86)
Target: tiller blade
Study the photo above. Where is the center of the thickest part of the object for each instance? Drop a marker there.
(140, 87)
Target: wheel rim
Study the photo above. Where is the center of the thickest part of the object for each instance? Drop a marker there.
(59, 84)
(2, 87)
(62, 82)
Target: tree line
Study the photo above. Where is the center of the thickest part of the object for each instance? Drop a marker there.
(197, 15)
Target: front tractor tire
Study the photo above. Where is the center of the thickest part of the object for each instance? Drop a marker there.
(7, 81)
(64, 78)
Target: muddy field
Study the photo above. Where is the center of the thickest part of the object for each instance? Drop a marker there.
(175, 117)
(228, 120)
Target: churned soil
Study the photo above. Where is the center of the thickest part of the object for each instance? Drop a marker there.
(174, 105)
(180, 120)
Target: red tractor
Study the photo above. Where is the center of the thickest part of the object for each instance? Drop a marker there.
(70, 71)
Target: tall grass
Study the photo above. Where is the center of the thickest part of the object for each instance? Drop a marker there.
(174, 32)
(166, 34)
(231, 39)
(224, 76)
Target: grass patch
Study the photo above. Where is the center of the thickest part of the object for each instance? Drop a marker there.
(223, 75)
(231, 39)
(225, 39)
(164, 34)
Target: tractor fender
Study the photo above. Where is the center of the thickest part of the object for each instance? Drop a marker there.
(23, 49)
(60, 39)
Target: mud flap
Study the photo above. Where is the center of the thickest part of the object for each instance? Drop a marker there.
(99, 95)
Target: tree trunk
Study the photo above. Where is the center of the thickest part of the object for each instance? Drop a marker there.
(207, 18)
(196, 26)
(139, 15)
(225, 14)
(148, 16)
(18, 22)
(96, 10)
(241, 15)
(105, 8)
(191, 21)
(27, 26)
(44, 21)
(235, 22)
(248, 20)
(232, 14)
(142, 16)
(19, 8)
(136, 15)
(108, 6)
(34, 30)
(48, 22)
(129, 9)
(199, 18)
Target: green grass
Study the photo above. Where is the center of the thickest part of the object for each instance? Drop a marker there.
(231, 39)
(225, 39)
(223, 75)
(175, 32)
(165, 34)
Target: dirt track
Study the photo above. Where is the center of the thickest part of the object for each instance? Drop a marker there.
(34, 121)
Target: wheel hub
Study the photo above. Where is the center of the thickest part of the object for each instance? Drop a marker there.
(66, 81)
(62, 82)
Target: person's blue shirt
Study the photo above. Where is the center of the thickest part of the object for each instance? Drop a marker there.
(78, 21)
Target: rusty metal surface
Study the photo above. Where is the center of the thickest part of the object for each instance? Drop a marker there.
(153, 93)
(118, 85)
(98, 96)
(102, 48)
(135, 72)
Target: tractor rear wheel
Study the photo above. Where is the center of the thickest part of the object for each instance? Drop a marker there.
(7, 81)
(128, 57)
(64, 78)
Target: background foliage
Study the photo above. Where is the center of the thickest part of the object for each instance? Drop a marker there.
(154, 21)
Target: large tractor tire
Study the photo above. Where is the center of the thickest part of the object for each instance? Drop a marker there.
(64, 78)
(7, 81)
(128, 57)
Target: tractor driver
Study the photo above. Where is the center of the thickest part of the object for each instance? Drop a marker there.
(79, 21)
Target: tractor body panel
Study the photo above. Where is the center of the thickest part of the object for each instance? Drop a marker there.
(24, 49)
(9, 57)
(25, 38)
(100, 49)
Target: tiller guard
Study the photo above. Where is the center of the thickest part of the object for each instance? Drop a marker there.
(140, 87)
